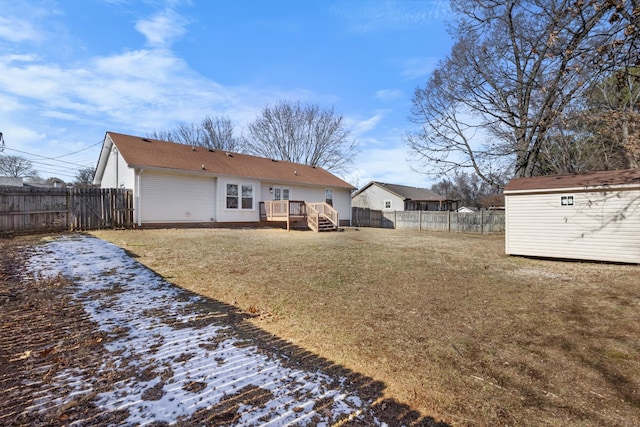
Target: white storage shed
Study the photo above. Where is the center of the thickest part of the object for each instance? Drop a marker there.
(592, 216)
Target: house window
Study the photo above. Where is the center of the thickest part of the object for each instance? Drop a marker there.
(566, 200)
(239, 196)
(247, 197)
(328, 196)
(232, 196)
(387, 204)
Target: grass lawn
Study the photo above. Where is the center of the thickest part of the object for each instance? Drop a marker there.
(452, 326)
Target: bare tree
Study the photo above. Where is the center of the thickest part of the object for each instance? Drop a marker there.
(164, 135)
(84, 176)
(600, 133)
(515, 67)
(216, 133)
(615, 112)
(16, 167)
(189, 134)
(304, 134)
(468, 188)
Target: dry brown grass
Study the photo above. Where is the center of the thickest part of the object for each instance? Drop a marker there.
(453, 327)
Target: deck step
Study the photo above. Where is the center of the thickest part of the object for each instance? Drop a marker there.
(326, 225)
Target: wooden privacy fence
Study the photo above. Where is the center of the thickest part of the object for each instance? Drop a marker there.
(32, 209)
(482, 222)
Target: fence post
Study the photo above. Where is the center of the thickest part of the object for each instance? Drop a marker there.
(481, 221)
(69, 222)
(449, 221)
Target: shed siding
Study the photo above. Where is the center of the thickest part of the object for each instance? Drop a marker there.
(602, 226)
(374, 197)
(169, 197)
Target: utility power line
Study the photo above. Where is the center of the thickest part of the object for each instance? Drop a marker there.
(79, 151)
(44, 157)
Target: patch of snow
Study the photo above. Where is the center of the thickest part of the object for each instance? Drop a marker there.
(191, 368)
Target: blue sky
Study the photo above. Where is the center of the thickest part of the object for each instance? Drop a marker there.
(71, 70)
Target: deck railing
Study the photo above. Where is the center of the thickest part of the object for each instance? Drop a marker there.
(283, 210)
(297, 210)
(321, 210)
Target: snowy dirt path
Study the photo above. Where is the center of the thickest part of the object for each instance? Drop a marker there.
(170, 361)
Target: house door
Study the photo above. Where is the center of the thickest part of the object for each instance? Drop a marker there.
(281, 193)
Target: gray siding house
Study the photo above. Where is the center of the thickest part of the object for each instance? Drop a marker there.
(392, 197)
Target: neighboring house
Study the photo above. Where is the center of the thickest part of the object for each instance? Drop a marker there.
(392, 197)
(466, 209)
(176, 183)
(9, 181)
(594, 216)
(56, 183)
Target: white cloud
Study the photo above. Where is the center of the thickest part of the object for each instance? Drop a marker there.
(12, 132)
(389, 15)
(19, 58)
(115, 2)
(163, 28)
(18, 30)
(389, 94)
(364, 126)
(136, 90)
(415, 68)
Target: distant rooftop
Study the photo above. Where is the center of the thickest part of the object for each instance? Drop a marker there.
(9, 181)
(407, 193)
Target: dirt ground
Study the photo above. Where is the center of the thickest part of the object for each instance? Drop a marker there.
(43, 331)
(57, 363)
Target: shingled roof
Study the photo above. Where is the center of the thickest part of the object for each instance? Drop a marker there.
(626, 177)
(407, 193)
(143, 153)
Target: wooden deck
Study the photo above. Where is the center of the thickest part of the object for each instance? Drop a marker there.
(318, 216)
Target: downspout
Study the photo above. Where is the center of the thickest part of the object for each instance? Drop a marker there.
(115, 153)
(137, 196)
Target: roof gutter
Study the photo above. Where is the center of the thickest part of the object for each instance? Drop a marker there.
(214, 174)
(582, 189)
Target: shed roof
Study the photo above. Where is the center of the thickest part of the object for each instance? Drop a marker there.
(141, 152)
(406, 192)
(626, 177)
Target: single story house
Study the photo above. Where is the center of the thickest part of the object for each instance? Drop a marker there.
(180, 184)
(467, 209)
(592, 216)
(10, 181)
(393, 197)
